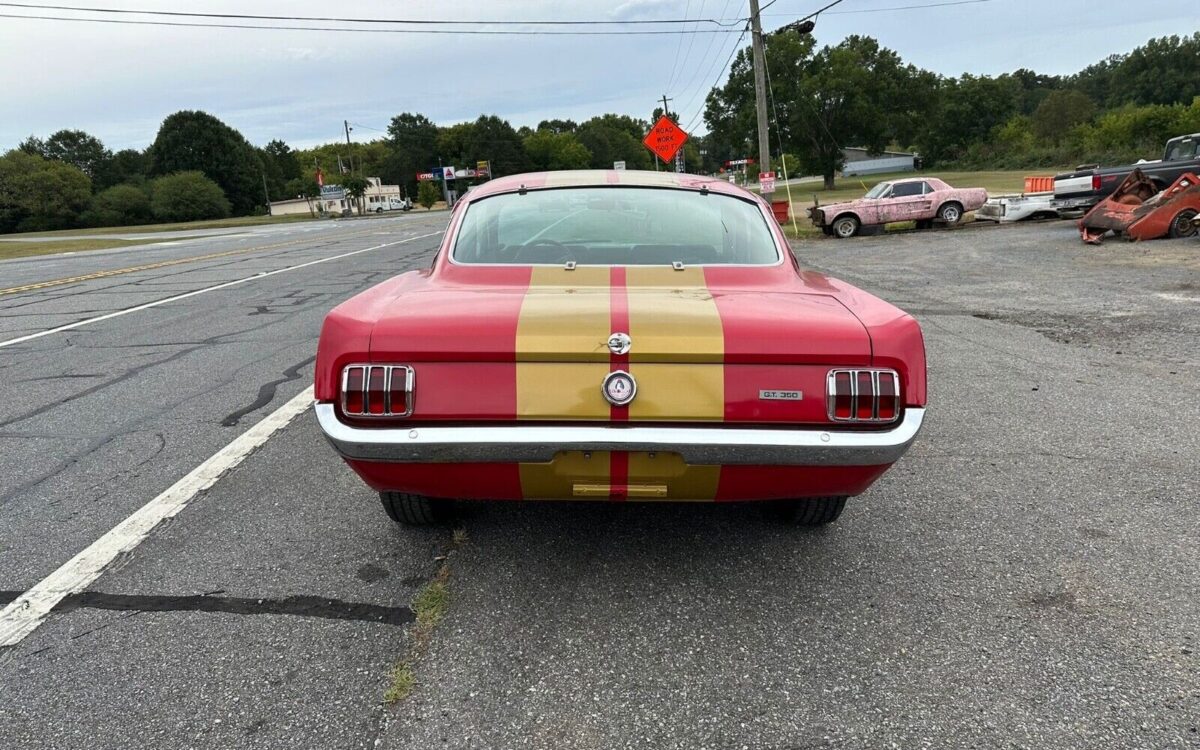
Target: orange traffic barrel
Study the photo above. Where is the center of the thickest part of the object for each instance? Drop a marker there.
(1039, 184)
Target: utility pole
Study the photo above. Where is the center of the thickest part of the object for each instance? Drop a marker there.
(666, 114)
(760, 91)
(266, 193)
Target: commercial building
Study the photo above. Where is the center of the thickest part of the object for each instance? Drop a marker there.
(377, 198)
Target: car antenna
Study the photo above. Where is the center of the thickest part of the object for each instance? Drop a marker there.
(522, 190)
(677, 265)
(704, 189)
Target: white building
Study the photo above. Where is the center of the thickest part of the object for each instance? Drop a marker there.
(333, 200)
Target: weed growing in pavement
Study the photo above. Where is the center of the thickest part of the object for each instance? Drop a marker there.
(430, 606)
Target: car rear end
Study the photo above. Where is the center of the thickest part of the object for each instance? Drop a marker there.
(686, 380)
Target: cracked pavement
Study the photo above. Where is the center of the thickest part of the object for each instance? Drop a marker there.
(1024, 577)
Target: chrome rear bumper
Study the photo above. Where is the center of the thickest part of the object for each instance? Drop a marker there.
(530, 442)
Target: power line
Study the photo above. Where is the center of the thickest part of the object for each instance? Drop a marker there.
(678, 47)
(691, 40)
(919, 6)
(704, 57)
(736, 46)
(409, 21)
(458, 32)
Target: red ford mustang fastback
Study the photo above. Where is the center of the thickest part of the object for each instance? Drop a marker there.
(620, 336)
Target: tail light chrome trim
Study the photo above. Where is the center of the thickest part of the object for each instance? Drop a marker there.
(359, 399)
(856, 396)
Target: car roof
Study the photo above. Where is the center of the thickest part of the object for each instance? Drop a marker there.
(604, 178)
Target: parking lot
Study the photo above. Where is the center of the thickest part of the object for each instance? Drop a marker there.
(1026, 576)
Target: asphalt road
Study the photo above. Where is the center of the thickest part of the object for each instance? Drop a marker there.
(1025, 577)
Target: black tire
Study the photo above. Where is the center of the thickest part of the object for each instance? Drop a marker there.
(1181, 225)
(379, 210)
(845, 227)
(812, 511)
(416, 510)
(950, 212)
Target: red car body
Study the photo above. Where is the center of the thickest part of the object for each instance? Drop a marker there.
(732, 365)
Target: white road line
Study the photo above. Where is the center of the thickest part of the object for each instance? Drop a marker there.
(226, 285)
(23, 615)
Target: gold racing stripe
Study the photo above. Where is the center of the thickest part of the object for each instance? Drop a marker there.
(675, 324)
(677, 359)
(674, 321)
(562, 344)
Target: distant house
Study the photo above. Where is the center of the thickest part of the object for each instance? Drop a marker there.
(858, 161)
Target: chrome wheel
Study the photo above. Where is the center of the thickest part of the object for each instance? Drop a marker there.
(950, 213)
(845, 227)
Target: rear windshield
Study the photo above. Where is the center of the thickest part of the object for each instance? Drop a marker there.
(612, 226)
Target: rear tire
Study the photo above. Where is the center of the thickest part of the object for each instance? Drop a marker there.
(951, 213)
(1181, 225)
(812, 511)
(416, 510)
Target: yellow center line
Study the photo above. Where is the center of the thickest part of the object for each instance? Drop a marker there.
(160, 264)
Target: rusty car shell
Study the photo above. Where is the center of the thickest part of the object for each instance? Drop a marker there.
(1138, 210)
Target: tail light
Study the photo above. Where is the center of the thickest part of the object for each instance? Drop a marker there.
(377, 391)
(1095, 182)
(863, 395)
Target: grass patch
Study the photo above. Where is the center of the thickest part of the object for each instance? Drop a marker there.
(403, 681)
(18, 249)
(239, 221)
(430, 606)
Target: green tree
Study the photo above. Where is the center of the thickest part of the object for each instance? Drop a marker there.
(493, 139)
(197, 141)
(412, 141)
(428, 193)
(303, 187)
(855, 93)
(558, 126)
(127, 166)
(610, 139)
(355, 186)
(1163, 71)
(187, 196)
(119, 205)
(1059, 112)
(548, 150)
(82, 151)
(38, 193)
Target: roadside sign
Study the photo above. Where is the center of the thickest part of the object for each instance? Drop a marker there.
(483, 169)
(738, 162)
(618, 165)
(766, 182)
(422, 176)
(447, 173)
(665, 138)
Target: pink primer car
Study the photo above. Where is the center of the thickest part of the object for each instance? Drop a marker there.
(919, 199)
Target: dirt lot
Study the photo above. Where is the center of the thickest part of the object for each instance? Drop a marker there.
(1139, 301)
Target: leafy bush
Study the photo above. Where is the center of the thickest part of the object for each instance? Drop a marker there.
(37, 193)
(187, 196)
(119, 205)
(427, 193)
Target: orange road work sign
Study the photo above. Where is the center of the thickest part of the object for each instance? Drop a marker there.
(665, 138)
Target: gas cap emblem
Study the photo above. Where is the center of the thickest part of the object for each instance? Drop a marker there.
(620, 343)
(619, 388)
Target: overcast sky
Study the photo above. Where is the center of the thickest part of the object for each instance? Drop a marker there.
(119, 81)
